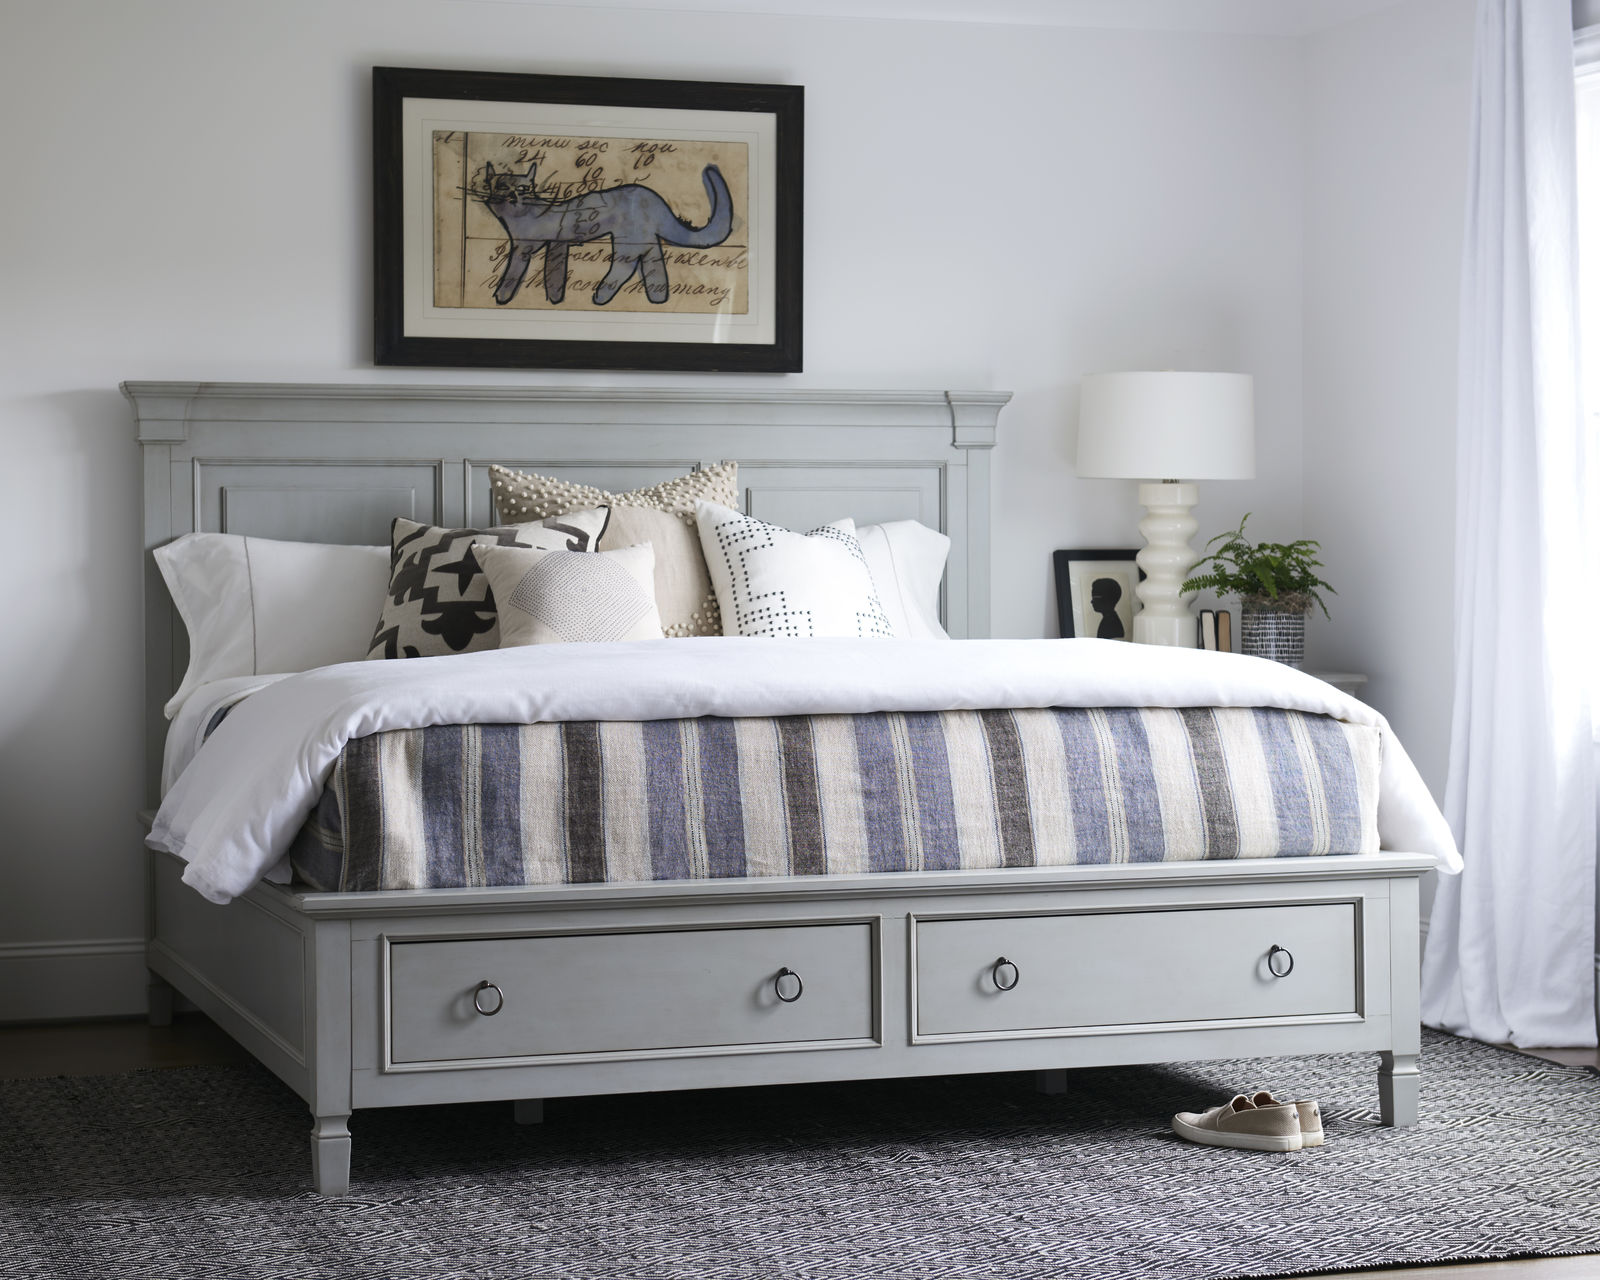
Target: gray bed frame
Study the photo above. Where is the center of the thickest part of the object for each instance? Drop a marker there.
(392, 999)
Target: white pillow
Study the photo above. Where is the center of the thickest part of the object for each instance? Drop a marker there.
(772, 582)
(907, 562)
(253, 606)
(556, 597)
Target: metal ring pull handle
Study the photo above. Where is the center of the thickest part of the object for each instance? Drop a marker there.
(799, 986)
(1280, 968)
(477, 998)
(1016, 974)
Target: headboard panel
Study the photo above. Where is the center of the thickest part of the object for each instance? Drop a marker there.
(316, 463)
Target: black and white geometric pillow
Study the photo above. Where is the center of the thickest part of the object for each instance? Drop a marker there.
(439, 601)
(771, 581)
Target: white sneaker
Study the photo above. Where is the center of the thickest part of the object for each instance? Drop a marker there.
(1242, 1123)
(1310, 1118)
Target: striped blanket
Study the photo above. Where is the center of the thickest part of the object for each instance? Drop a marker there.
(585, 801)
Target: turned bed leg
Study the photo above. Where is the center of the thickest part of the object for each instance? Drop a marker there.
(330, 1154)
(1050, 1082)
(158, 995)
(1399, 1087)
(528, 1110)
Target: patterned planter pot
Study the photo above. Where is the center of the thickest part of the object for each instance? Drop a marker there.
(1273, 634)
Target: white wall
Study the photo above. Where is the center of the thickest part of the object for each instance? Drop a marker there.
(1387, 111)
(1386, 154)
(986, 207)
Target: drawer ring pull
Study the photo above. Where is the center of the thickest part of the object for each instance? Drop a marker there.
(777, 986)
(1016, 974)
(477, 998)
(1273, 962)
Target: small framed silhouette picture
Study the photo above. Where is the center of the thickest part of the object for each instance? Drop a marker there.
(581, 222)
(1095, 594)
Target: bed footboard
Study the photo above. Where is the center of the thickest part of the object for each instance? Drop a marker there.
(387, 999)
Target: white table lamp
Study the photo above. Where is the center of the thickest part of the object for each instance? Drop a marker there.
(1189, 426)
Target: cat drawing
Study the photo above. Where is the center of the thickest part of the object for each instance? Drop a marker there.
(637, 219)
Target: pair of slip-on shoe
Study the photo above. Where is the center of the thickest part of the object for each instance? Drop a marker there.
(1258, 1122)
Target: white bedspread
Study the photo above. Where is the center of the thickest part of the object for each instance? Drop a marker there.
(236, 808)
(187, 732)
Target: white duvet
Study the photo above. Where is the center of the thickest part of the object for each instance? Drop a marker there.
(234, 811)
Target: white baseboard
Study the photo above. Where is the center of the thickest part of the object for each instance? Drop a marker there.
(86, 978)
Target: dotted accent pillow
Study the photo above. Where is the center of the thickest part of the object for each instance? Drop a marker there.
(773, 582)
(439, 601)
(558, 597)
(662, 515)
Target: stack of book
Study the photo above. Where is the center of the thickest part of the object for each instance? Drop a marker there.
(1215, 628)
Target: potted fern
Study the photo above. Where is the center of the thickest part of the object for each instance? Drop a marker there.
(1276, 583)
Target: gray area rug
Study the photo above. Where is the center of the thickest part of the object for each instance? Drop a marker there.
(203, 1172)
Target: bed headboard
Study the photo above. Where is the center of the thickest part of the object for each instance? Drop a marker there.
(315, 463)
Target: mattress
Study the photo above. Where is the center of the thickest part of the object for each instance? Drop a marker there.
(451, 805)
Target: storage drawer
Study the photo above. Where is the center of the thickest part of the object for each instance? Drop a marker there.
(629, 993)
(1131, 968)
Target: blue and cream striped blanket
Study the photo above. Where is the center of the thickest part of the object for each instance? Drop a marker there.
(586, 801)
(615, 749)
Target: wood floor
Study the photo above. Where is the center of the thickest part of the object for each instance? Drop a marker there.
(100, 1048)
(103, 1048)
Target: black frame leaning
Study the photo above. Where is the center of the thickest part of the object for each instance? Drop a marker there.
(1064, 561)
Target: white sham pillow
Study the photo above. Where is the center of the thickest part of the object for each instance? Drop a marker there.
(771, 581)
(907, 561)
(256, 606)
(562, 597)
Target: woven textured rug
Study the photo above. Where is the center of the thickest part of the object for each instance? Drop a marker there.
(203, 1172)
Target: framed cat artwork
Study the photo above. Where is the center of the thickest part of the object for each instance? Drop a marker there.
(577, 222)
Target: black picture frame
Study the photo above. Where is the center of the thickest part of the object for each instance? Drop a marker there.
(772, 276)
(1070, 567)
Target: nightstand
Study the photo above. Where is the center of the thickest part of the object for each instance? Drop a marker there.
(1344, 681)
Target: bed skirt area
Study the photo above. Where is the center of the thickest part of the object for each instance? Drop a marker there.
(454, 806)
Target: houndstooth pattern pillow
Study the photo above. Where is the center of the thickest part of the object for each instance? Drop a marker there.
(662, 515)
(439, 601)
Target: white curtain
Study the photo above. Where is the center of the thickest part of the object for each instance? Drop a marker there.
(1510, 953)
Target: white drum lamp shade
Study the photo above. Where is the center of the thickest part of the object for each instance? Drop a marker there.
(1171, 427)
(1179, 426)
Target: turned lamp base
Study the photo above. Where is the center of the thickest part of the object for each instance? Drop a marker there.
(1166, 559)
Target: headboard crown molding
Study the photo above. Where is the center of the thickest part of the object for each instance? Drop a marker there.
(166, 409)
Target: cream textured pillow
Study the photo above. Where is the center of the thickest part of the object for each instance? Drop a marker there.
(773, 582)
(556, 597)
(662, 515)
(439, 601)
